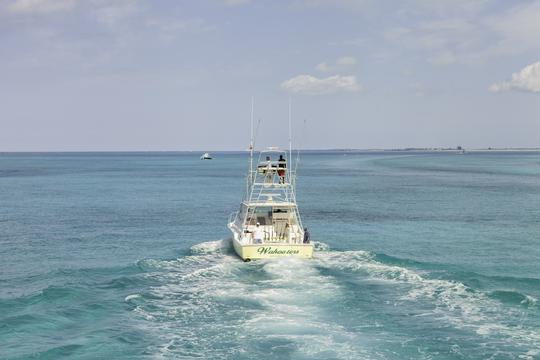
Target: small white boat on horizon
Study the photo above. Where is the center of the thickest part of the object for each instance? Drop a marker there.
(206, 156)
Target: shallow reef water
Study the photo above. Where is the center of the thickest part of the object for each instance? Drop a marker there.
(127, 256)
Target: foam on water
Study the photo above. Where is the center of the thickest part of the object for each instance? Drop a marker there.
(219, 307)
(211, 246)
(295, 301)
(210, 304)
(529, 301)
(131, 297)
(452, 301)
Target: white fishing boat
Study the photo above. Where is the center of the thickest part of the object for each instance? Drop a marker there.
(206, 156)
(268, 223)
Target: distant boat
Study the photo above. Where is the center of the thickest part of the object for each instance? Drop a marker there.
(206, 156)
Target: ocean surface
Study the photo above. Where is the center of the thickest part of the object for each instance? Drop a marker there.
(126, 256)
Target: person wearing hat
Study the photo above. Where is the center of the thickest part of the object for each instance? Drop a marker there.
(258, 234)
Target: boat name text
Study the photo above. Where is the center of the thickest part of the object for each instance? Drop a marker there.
(273, 251)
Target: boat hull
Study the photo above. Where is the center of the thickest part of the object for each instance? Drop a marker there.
(266, 251)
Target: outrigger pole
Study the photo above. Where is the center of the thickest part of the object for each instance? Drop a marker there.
(250, 177)
(290, 140)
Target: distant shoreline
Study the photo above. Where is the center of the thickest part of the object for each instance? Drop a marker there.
(429, 149)
(409, 150)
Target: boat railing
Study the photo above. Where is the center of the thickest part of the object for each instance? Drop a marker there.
(271, 236)
(272, 183)
(232, 217)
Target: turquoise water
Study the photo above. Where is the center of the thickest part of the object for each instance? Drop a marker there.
(124, 256)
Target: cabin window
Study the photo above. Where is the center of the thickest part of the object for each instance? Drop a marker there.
(280, 214)
(261, 215)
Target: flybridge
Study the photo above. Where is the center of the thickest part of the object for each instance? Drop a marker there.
(272, 179)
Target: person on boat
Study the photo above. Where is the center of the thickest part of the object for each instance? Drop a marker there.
(282, 164)
(306, 236)
(264, 166)
(258, 234)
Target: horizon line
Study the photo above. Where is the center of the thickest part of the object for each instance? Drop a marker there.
(410, 149)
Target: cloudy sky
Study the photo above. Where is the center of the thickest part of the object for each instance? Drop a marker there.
(179, 75)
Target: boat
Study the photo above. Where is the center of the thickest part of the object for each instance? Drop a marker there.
(268, 223)
(206, 156)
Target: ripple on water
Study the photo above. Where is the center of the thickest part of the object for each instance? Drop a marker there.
(451, 302)
(210, 304)
(213, 305)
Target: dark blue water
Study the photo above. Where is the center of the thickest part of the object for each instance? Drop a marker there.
(124, 256)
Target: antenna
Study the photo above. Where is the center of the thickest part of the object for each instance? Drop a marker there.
(300, 146)
(251, 132)
(250, 178)
(251, 128)
(290, 132)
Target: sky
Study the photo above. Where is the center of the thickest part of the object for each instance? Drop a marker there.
(123, 75)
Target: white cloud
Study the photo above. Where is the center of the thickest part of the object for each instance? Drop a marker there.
(170, 29)
(40, 6)
(115, 13)
(340, 64)
(236, 2)
(346, 61)
(443, 58)
(311, 85)
(442, 41)
(471, 37)
(517, 29)
(418, 89)
(528, 79)
(406, 7)
(324, 67)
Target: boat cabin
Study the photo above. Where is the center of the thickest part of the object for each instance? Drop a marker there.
(275, 223)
